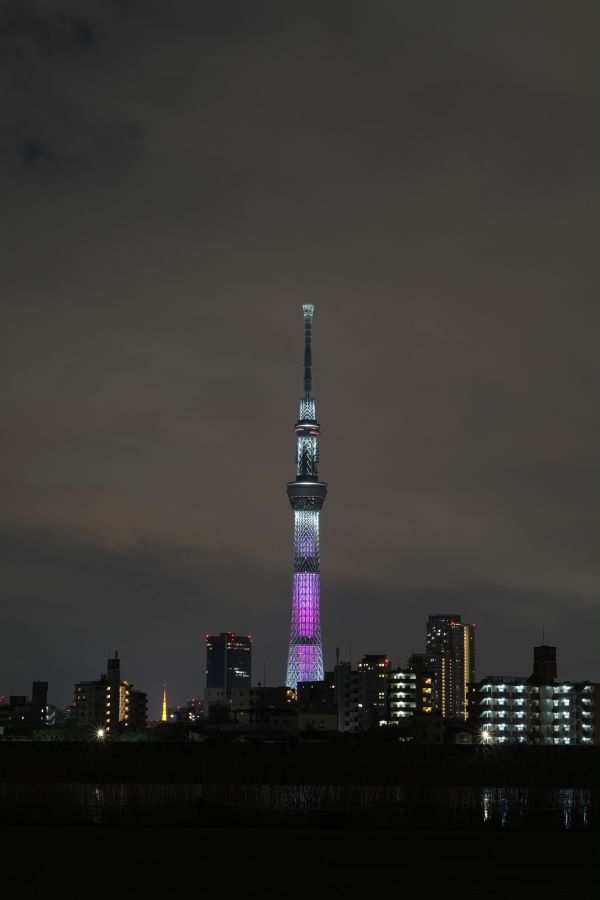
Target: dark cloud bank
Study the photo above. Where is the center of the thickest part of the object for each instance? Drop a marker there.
(176, 180)
(69, 604)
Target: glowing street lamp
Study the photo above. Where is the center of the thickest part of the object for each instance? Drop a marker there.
(100, 734)
(486, 735)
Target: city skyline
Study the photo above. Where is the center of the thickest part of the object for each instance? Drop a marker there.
(236, 660)
(428, 179)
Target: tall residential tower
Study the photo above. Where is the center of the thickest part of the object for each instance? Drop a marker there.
(307, 495)
(450, 657)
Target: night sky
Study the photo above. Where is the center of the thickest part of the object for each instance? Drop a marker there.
(176, 180)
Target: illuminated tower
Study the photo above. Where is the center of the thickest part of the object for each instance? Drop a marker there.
(164, 717)
(307, 495)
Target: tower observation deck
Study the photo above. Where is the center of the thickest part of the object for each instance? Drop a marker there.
(307, 495)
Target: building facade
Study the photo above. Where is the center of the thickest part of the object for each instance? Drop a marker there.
(402, 695)
(347, 696)
(373, 684)
(450, 657)
(307, 495)
(537, 709)
(424, 683)
(228, 675)
(228, 660)
(138, 709)
(510, 710)
(317, 707)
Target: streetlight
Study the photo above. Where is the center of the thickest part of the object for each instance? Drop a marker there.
(100, 734)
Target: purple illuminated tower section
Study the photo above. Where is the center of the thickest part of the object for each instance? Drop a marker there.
(307, 495)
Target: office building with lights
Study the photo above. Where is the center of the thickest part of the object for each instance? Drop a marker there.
(228, 660)
(307, 495)
(450, 657)
(228, 674)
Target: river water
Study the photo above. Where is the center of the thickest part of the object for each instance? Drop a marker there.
(496, 808)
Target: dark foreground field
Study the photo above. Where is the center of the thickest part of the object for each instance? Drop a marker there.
(267, 863)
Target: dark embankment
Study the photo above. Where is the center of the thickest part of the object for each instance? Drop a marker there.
(333, 763)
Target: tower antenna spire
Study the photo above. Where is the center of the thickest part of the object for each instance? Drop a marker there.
(309, 310)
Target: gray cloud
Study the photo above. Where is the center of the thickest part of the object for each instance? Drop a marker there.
(177, 182)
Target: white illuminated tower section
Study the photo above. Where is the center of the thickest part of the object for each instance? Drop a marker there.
(307, 495)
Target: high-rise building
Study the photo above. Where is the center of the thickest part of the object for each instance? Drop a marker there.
(450, 657)
(228, 660)
(228, 674)
(307, 495)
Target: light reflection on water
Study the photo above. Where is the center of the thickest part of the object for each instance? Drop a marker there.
(340, 805)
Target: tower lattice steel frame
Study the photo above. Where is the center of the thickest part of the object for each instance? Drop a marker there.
(307, 495)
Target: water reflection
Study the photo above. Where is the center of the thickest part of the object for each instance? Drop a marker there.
(497, 808)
